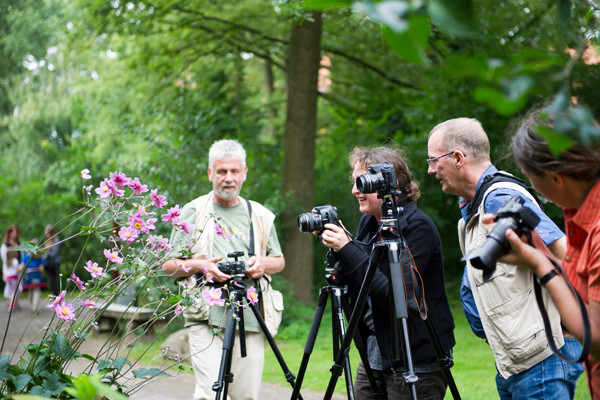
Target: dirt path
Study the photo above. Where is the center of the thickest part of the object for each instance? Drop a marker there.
(24, 329)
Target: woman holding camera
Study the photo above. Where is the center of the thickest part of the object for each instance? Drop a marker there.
(424, 243)
(571, 181)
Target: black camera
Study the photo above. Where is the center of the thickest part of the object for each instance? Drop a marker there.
(381, 178)
(233, 268)
(315, 221)
(512, 215)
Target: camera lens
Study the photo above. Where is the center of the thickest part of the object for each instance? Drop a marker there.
(368, 183)
(310, 222)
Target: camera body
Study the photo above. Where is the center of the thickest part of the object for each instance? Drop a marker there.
(235, 268)
(512, 215)
(315, 221)
(381, 178)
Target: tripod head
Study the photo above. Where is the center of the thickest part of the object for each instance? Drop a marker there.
(390, 214)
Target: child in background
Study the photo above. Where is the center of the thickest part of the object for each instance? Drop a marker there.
(10, 274)
(34, 278)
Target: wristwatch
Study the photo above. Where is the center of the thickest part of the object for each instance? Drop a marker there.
(544, 279)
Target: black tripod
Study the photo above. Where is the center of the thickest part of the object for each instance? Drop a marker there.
(339, 306)
(395, 249)
(238, 293)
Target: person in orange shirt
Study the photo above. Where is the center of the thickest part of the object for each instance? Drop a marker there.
(572, 182)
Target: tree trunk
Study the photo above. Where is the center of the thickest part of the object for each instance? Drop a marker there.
(299, 153)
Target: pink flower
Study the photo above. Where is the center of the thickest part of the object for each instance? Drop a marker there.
(66, 312)
(150, 224)
(85, 174)
(158, 243)
(187, 228)
(119, 179)
(137, 186)
(182, 266)
(220, 232)
(128, 234)
(57, 300)
(213, 297)
(93, 269)
(207, 274)
(172, 213)
(78, 282)
(252, 295)
(158, 199)
(104, 189)
(178, 309)
(113, 256)
(88, 303)
(138, 224)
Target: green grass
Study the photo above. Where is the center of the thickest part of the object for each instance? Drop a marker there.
(473, 372)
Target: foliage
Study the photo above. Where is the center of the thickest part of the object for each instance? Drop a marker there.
(122, 214)
(146, 88)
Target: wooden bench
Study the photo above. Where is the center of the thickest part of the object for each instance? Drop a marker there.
(127, 318)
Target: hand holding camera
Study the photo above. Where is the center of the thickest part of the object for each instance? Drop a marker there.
(511, 216)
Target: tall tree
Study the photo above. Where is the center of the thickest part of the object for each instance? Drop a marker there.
(298, 175)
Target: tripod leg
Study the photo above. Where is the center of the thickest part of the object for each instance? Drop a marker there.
(288, 374)
(401, 313)
(339, 331)
(362, 352)
(354, 319)
(310, 341)
(224, 377)
(445, 362)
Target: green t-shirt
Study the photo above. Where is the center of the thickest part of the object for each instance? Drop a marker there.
(236, 222)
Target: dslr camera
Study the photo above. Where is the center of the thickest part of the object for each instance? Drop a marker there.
(315, 221)
(233, 268)
(512, 215)
(381, 178)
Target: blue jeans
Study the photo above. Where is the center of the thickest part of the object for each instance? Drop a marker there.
(552, 378)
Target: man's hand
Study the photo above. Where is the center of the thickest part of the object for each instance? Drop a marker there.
(256, 269)
(213, 270)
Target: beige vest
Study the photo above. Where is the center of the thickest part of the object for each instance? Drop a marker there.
(506, 303)
(202, 244)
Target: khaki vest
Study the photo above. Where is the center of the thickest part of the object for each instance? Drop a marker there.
(202, 244)
(506, 303)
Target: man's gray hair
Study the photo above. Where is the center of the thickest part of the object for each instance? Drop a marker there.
(226, 149)
(465, 134)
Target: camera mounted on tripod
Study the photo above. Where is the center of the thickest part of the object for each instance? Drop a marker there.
(236, 269)
(512, 215)
(381, 178)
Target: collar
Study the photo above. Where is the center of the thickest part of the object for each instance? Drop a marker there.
(464, 203)
(588, 215)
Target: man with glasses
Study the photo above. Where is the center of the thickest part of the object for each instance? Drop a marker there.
(503, 309)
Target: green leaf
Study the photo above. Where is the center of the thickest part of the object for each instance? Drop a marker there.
(145, 373)
(120, 363)
(5, 376)
(4, 361)
(496, 99)
(557, 142)
(326, 4)
(21, 381)
(410, 44)
(453, 16)
(564, 10)
(536, 60)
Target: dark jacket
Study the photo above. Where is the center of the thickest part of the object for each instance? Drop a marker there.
(424, 242)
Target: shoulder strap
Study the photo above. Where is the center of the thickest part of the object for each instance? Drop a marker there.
(251, 252)
(488, 181)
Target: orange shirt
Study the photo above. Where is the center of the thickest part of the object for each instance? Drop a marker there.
(582, 263)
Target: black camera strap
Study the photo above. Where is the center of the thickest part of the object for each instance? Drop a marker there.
(251, 252)
(585, 348)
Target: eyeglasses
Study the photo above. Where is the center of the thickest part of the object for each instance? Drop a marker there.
(433, 161)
